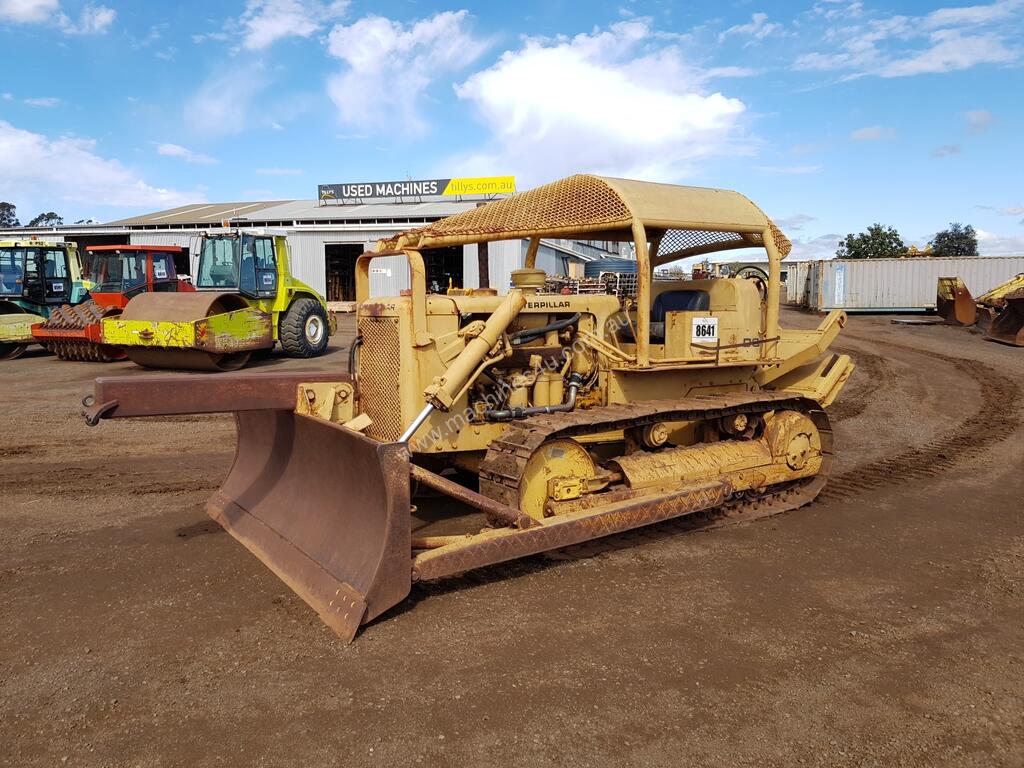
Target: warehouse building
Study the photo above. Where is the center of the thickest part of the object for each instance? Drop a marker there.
(327, 234)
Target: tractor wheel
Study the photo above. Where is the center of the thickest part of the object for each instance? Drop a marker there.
(304, 329)
(12, 351)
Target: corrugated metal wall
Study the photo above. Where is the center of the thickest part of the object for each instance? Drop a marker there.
(865, 285)
(309, 262)
(390, 275)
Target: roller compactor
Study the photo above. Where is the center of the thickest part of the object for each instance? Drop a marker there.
(117, 274)
(574, 417)
(246, 300)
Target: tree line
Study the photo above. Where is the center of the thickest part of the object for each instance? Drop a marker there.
(9, 217)
(881, 242)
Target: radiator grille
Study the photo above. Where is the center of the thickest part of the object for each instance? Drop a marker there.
(379, 377)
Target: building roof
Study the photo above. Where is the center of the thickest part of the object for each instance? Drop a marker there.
(289, 212)
(684, 221)
(169, 248)
(203, 213)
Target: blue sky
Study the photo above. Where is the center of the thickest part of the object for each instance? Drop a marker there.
(831, 115)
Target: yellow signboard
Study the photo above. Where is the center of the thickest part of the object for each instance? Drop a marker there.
(482, 185)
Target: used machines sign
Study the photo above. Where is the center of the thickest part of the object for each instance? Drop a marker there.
(352, 193)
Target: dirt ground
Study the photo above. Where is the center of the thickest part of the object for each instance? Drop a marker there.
(883, 625)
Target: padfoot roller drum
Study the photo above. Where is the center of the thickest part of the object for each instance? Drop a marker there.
(73, 333)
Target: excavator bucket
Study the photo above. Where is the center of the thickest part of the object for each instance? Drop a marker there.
(326, 509)
(1008, 326)
(954, 302)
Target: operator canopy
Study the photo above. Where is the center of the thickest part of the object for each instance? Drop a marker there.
(683, 221)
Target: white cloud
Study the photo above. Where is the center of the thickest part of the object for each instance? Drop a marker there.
(971, 15)
(978, 120)
(794, 222)
(184, 153)
(758, 29)
(872, 133)
(945, 40)
(280, 171)
(814, 248)
(946, 150)
(94, 20)
(38, 167)
(28, 11)
(1012, 210)
(47, 102)
(221, 105)
(267, 21)
(219, 37)
(730, 71)
(991, 244)
(952, 50)
(547, 108)
(388, 67)
(797, 170)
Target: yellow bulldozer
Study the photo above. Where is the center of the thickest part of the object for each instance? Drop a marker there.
(999, 312)
(528, 422)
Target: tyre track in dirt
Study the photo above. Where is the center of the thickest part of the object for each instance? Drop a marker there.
(975, 432)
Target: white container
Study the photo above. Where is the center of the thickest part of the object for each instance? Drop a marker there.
(797, 281)
(901, 285)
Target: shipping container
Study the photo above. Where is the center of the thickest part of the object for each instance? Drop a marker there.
(797, 282)
(901, 285)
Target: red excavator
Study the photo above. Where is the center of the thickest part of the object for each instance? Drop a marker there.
(115, 273)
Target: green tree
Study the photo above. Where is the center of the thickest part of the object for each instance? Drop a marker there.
(48, 219)
(9, 215)
(877, 243)
(958, 240)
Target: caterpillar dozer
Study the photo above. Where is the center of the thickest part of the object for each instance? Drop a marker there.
(36, 278)
(525, 422)
(116, 274)
(246, 299)
(999, 313)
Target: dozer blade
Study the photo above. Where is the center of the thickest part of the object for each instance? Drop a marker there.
(1008, 326)
(954, 302)
(326, 509)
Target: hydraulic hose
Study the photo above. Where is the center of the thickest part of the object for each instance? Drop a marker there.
(511, 414)
(356, 343)
(530, 334)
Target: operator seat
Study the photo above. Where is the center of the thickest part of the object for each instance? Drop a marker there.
(686, 300)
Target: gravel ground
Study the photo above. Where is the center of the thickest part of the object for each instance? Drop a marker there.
(882, 625)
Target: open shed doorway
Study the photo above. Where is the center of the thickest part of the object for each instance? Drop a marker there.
(340, 259)
(444, 268)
